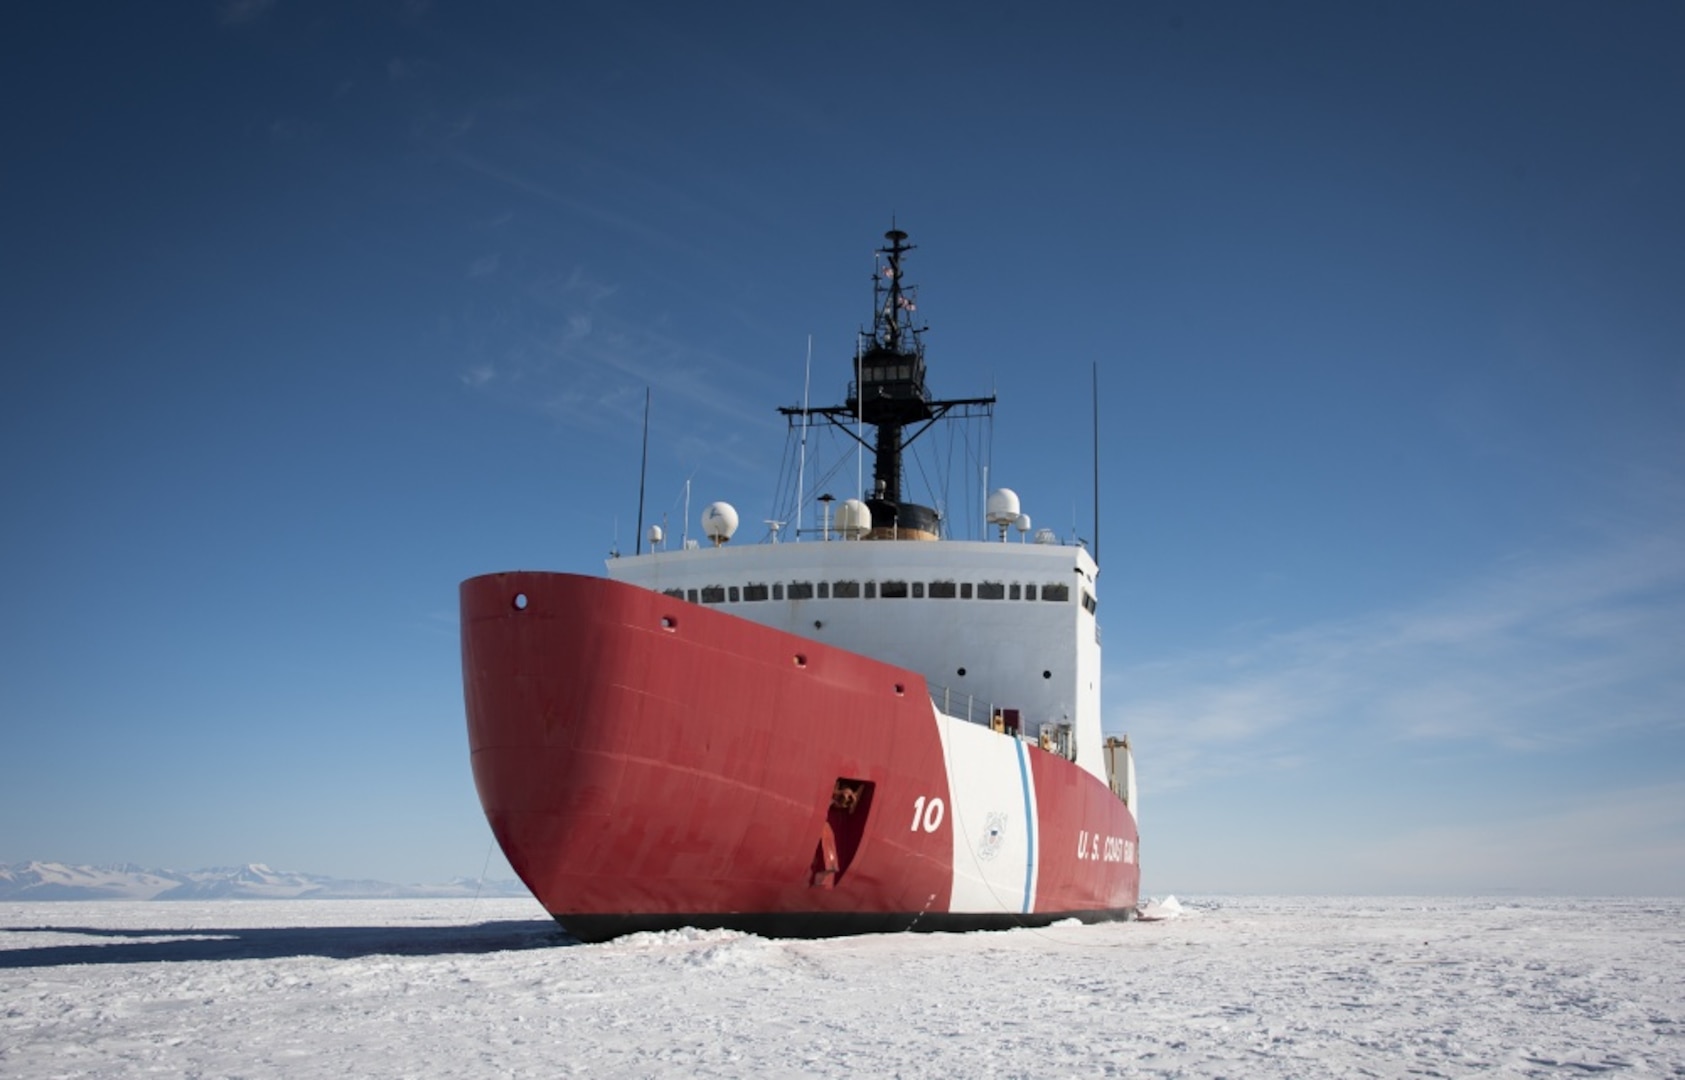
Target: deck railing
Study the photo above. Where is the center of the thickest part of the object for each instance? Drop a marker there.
(962, 706)
(972, 709)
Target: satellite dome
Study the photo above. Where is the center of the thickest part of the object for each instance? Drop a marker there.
(655, 535)
(1003, 506)
(719, 521)
(854, 519)
(1022, 523)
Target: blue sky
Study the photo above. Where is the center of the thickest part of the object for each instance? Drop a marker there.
(311, 310)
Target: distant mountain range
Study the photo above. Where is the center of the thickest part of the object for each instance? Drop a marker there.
(254, 881)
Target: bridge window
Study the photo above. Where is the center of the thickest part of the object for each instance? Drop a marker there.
(941, 590)
(1012, 593)
(677, 594)
(713, 594)
(918, 590)
(871, 590)
(801, 590)
(1089, 604)
(991, 590)
(965, 590)
(1057, 593)
(894, 590)
(754, 592)
(690, 594)
(824, 590)
(846, 590)
(1029, 592)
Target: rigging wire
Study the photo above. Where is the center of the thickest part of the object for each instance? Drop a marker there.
(781, 509)
(947, 479)
(801, 475)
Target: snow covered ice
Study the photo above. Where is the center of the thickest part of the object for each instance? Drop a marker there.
(1243, 987)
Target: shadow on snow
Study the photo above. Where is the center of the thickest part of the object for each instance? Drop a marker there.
(274, 943)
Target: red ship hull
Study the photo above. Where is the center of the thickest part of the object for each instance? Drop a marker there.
(647, 763)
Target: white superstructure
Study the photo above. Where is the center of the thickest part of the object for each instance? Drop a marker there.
(1003, 633)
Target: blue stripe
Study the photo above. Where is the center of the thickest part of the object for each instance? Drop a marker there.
(1029, 822)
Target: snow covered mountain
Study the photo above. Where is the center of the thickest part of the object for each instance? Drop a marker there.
(254, 881)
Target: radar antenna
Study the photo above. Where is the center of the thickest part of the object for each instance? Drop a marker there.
(888, 392)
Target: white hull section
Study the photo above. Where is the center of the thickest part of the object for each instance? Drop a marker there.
(994, 819)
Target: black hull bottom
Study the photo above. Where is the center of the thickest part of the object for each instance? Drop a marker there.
(824, 924)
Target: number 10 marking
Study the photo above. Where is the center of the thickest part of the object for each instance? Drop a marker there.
(927, 814)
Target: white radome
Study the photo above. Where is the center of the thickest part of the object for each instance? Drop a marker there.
(854, 518)
(719, 522)
(1003, 506)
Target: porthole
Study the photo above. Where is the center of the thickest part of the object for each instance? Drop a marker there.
(961, 673)
(669, 623)
(801, 660)
(1047, 674)
(520, 601)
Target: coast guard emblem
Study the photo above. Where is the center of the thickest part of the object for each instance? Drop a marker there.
(994, 830)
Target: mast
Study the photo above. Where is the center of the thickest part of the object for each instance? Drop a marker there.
(890, 391)
(887, 391)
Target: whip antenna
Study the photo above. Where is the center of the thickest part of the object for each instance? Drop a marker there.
(643, 471)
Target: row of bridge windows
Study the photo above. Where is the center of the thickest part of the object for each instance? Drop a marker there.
(872, 590)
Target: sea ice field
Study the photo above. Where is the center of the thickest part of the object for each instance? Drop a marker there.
(1230, 986)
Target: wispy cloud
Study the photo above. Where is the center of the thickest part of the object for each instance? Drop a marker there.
(441, 126)
(291, 129)
(550, 194)
(566, 349)
(402, 68)
(244, 11)
(1537, 654)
